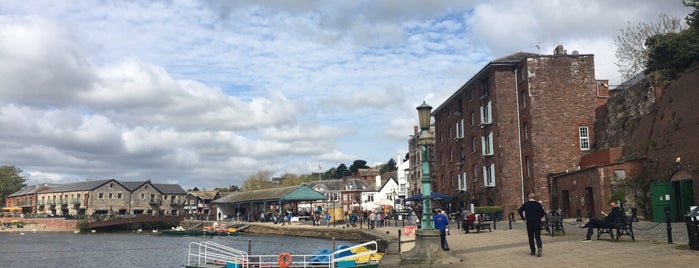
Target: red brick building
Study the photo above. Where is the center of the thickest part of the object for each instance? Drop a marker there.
(519, 119)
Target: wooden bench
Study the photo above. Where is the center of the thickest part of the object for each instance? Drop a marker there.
(623, 226)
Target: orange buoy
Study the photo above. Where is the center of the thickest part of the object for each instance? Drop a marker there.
(284, 259)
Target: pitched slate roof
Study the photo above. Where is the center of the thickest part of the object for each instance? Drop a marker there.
(169, 188)
(78, 186)
(284, 194)
(210, 195)
(133, 185)
(32, 189)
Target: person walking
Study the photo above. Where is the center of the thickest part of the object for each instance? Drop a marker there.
(441, 223)
(609, 219)
(531, 213)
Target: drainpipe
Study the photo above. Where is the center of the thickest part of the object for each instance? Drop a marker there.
(519, 137)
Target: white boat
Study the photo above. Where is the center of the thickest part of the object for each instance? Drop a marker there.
(211, 254)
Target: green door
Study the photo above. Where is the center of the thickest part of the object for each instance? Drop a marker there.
(686, 197)
(662, 197)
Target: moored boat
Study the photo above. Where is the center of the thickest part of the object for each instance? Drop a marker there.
(211, 254)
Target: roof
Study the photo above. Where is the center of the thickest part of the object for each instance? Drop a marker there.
(78, 186)
(169, 188)
(283, 194)
(511, 59)
(133, 185)
(32, 189)
(210, 195)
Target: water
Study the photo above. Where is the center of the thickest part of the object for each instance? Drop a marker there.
(133, 249)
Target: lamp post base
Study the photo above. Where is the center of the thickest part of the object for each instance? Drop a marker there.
(427, 251)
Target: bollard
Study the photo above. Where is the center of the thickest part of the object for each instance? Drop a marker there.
(333, 248)
(579, 218)
(249, 246)
(399, 251)
(669, 225)
(495, 219)
(634, 215)
(509, 220)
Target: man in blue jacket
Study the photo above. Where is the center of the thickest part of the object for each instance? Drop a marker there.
(440, 223)
(532, 212)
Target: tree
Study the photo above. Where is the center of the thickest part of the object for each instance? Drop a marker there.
(261, 180)
(329, 174)
(673, 53)
(290, 179)
(390, 166)
(693, 18)
(632, 51)
(356, 165)
(341, 171)
(10, 181)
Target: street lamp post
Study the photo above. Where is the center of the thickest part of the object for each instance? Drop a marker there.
(425, 139)
(427, 250)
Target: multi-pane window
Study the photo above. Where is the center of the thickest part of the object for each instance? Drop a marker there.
(460, 129)
(486, 114)
(524, 98)
(487, 144)
(489, 175)
(474, 144)
(473, 118)
(584, 138)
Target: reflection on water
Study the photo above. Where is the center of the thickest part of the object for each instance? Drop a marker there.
(132, 249)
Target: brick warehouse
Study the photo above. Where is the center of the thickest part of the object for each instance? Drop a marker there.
(519, 119)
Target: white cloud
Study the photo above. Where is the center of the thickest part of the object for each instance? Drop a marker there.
(207, 93)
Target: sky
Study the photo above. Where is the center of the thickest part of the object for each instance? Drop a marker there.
(207, 93)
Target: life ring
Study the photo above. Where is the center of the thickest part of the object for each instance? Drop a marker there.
(284, 260)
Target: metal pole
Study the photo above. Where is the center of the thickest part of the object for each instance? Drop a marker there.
(509, 219)
(249, 246)
(669, 225)
(495, 219)
(399, 251)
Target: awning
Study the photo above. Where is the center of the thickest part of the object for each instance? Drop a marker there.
(434, 196)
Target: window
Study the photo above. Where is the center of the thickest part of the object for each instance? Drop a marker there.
(462, 181)
(111, 196)
(525, 130)
(524, 98)
(143, 196)
(460, 129)
(450, 132)
(528, 166)
(523, 74)
(584, 138)
(486, 117)
(473, 118)
(470, 94)
(619, 174)
(487, 144)
(474, 144)
(489, 175)
(99, 196)
(485, 90)
(475, 173)
(119, 195)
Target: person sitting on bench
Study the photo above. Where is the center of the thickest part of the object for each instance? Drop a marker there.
(608, 220)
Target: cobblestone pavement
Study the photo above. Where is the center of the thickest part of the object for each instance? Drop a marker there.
(505, 247)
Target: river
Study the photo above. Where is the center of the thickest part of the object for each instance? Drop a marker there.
(134, 249)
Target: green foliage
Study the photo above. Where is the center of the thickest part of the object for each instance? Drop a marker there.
(261, 180)
(487, 209)
(341, 171)
(10, 181)
(390, 166)
(83, 225)
(673, 53)
(356, 165)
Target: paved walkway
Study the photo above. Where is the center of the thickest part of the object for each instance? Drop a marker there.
(509, 248)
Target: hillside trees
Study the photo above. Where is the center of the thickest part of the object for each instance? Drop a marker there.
(673, 53)
(633, 52)
(260, 180)
(10, 180)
